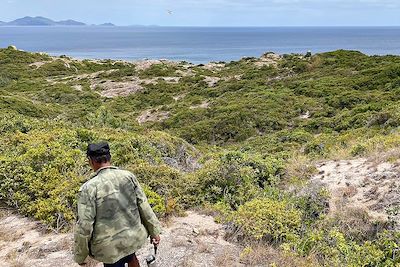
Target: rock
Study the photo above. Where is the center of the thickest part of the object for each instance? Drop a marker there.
(196, 231)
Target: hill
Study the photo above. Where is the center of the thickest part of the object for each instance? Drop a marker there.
(246, 141)
(70, 22)
(42, 21)
(107, 24)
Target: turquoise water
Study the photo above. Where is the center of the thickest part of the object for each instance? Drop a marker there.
(198, 45)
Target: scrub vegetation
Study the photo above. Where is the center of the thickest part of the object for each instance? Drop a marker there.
(237, 139)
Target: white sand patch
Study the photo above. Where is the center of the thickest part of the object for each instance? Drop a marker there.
(179, 97)
(146, 64)
(268, 59)
(211, 81)
(305, 116)
(204, 104)
(362, 183)
(38, 64)
(77, 87)
(171, 79)
(112, 89)
(213, 66)
(152, 115)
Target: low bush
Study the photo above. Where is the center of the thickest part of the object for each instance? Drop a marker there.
(268, 219)
(235, 177)
(42, 170)
(332, 249)
(156, 201)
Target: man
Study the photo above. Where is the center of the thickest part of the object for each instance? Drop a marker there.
(114, 216)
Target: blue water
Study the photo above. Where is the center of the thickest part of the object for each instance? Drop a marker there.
(197, 45)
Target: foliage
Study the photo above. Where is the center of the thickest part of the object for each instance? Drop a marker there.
(235, 178)
(269, 219)
(226, 145)
(333, 249)
(42, 170)
(156, 201)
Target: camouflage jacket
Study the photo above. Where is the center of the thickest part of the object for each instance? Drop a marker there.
(114, 217)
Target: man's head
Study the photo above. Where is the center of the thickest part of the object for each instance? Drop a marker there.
(99, 155)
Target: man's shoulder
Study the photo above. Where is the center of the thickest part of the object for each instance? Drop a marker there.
(97, 179)
(116, 172)
(122, 171)
(89, 185)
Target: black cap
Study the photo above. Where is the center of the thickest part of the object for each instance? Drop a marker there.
(96, 150)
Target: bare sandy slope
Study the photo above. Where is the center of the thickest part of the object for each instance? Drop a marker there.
(194, 240)
(371, 184)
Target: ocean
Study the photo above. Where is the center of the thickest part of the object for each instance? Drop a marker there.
(197, 44)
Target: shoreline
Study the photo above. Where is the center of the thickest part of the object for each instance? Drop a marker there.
(188, 62)
(198, 45)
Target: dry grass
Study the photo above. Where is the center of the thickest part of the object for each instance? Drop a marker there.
(378, 157)
(18, 262)
(202, 247)
(355, 223)
(64, 244)
(4, 211)
(300, 166)
(16, 259)
(9, 235)
(349, 191)
(340, 153)
(263, 255)
(373, 193)
(225, 258)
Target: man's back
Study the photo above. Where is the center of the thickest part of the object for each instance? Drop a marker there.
(114, 216)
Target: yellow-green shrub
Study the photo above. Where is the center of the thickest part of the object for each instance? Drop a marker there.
(41, 176)
(269, 219)
(331, 248)
(172, 185)
(235, 177)
(42, 170)
(155, 201)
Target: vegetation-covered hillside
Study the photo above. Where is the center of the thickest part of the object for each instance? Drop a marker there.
(237, 139)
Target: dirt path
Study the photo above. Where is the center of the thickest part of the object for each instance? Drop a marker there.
(194, 240)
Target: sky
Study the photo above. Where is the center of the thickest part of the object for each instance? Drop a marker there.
(211, 12)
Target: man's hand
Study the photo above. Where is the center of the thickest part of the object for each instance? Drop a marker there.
(155, 240)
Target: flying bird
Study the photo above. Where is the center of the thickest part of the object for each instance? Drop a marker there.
(169, 12)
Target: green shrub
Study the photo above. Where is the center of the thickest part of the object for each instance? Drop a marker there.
(269, 219)
(155, 200)
(333, 249)
(42, 175)
(167, 182)
(236, 177)
(42, 170)
(358, 150)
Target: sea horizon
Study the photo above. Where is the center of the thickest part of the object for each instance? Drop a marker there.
(198, 44)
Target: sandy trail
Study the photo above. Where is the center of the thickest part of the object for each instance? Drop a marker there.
(194, 240)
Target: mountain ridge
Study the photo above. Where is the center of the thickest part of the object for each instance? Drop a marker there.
(43, 21)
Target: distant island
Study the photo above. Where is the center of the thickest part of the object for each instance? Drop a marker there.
(42, 21)
(107, 24)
